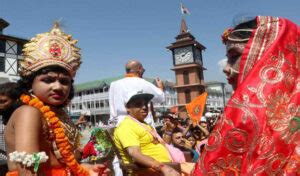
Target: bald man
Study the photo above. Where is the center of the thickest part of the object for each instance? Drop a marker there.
(133, 81)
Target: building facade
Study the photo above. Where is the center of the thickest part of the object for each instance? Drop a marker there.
(218, 95)
(10, 54)
(92, 98)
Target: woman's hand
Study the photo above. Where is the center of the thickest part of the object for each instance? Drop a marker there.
(97, 169)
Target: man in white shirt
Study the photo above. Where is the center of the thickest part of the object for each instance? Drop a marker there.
(132, 81)
(118, 91)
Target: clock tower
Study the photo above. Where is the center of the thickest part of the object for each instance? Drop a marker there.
(188, 67)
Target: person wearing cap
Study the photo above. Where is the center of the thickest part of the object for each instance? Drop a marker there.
(136, 140)
(259, 131)
(133, 81)
(40, 137)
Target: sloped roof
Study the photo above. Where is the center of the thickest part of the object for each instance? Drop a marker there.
(95, 84)
(107, 81)
(14, 38)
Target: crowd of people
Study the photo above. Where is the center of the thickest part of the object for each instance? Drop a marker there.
(257, 134)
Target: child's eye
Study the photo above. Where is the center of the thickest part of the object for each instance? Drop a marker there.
(47, 80)
(65, 81)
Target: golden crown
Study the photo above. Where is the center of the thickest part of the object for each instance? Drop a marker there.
(50, 48)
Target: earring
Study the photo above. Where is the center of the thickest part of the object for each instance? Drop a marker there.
(233, 72)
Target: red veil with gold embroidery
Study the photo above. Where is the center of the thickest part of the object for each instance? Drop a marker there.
(258, 133)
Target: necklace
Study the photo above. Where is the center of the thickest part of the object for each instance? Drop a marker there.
(60, 138)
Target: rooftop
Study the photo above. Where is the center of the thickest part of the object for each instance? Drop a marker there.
(107, 81)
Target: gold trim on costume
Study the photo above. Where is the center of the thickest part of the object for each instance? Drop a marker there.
(51, 48)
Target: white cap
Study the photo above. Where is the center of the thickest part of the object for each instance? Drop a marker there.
(137, 95)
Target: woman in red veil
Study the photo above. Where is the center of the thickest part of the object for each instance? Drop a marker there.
(259, 131)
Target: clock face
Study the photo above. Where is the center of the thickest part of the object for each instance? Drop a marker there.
(183, 55)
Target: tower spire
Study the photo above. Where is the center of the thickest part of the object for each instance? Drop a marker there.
(183, 27)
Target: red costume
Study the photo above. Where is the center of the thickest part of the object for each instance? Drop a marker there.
(258, 133)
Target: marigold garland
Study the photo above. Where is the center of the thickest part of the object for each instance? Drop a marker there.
(226, 34)
(60, 137)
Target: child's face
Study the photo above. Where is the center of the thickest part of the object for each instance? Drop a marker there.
(52, 88)
(192, 141)
(5, 102)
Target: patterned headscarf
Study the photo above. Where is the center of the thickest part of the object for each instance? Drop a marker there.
(259, 131)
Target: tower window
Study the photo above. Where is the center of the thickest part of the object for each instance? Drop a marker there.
(186, 78)
(187, 94)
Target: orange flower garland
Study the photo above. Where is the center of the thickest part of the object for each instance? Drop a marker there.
(226, 34)
(61, 139)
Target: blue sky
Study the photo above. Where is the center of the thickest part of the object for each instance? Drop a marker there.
(111, 32)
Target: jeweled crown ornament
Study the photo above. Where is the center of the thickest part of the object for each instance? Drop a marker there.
(51, 48)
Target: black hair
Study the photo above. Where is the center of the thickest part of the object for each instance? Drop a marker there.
(9, 89)
(252, 24)
(176, 130)
(25, 83)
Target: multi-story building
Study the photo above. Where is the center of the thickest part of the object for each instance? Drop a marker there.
(92, 97)
(10, 54)
(218, 95)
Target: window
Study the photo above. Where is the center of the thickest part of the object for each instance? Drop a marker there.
(2, 46)
(19, 48)
(186, 79)
(2, 64)
(97, 104)
(106, 103)
(187, 94)
(80, 106)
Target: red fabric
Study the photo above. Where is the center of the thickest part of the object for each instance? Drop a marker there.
(256, 134)
(89, 150)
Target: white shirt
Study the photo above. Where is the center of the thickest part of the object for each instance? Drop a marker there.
(118, 90)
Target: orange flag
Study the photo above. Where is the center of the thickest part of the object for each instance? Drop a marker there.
(196, 107)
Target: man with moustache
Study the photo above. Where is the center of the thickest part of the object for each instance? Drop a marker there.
(137, 141)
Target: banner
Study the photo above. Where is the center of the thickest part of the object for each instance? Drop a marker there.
(196, 107)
